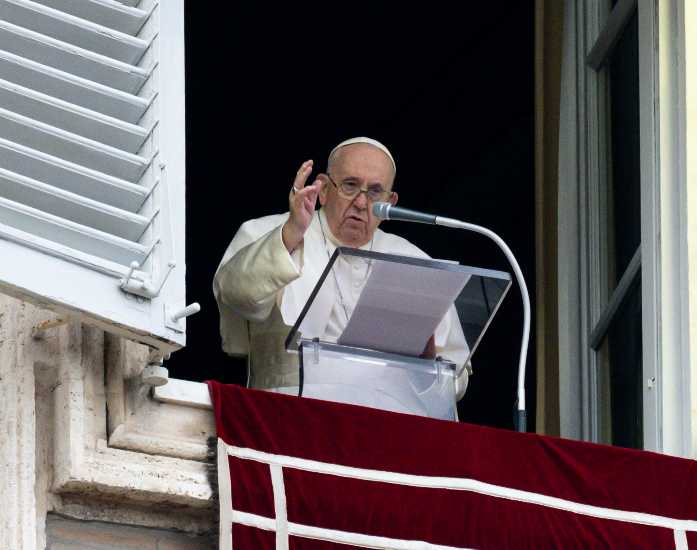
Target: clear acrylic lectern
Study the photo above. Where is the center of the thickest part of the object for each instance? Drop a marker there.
(378, 360)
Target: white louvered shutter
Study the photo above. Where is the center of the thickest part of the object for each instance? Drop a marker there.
(92, 161)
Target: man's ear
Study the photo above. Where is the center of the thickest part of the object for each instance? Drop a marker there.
(325, 188)
(393, 199)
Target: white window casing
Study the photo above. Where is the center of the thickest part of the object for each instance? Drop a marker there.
(668, 130)
(669, 222)
(575, 230)
(92, 168)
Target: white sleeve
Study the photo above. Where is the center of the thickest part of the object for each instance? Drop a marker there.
(250, 277)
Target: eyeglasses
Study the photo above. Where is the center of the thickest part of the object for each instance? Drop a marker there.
(350, 189)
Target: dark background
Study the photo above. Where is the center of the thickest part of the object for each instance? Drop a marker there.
(449, 91)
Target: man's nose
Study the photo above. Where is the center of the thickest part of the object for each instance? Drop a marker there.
(361, 201)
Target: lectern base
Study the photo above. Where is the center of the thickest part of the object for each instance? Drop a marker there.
(359, 395)
(375, 379)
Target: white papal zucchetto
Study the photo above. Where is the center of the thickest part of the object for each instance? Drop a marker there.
(369, 141)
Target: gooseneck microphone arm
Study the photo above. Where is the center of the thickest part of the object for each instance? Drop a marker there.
(386, 211)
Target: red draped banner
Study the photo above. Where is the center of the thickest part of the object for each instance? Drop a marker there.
(304, 474)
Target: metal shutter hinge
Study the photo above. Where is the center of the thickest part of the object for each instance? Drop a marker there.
(144, 287)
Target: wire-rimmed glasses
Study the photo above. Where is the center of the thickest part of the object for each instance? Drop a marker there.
(350, 189)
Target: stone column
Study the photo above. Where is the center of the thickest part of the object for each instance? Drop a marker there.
(18, 525)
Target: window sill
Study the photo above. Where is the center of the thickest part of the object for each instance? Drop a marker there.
(184, 392)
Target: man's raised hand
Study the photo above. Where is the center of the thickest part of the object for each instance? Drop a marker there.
(301, 203)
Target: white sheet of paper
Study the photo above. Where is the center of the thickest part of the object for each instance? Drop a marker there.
(401, 306)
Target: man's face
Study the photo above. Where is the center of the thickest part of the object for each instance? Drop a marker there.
(352, 220)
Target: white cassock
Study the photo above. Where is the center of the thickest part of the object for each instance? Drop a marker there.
(261, 290)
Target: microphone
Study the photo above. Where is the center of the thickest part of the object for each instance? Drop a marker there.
(385, 211)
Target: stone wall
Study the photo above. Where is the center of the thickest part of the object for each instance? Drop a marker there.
(64, 533)
(85, 451)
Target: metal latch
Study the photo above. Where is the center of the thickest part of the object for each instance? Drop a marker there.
(174, 316)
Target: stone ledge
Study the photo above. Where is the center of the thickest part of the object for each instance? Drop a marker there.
(66, 533)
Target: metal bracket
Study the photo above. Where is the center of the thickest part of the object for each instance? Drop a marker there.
(144, 287)
(174, 316)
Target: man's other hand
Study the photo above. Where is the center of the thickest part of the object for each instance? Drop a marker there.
(301, 203)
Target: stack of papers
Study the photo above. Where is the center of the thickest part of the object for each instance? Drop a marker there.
(401, 306)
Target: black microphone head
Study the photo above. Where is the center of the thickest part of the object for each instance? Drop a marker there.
(381, 210)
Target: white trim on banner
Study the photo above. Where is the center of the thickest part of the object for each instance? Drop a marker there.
(463, 484)
(333, 535)
(279, 503)
(225, 496)
(680, 540)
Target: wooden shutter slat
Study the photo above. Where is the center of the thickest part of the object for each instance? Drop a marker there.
(73, 30)
(70, 58)
(130, 3)
(72, 118)
(71, 206)
(109, 13)
(86, 152)
(70, 234)
(72, 177)
(79, 91)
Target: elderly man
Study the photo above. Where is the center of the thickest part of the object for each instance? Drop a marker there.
(273, 263)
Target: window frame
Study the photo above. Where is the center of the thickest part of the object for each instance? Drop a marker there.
(668, 209)
(606, 303)
(668, 294)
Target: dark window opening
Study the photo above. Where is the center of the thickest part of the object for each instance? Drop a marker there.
(625, 174)
(450, 92)
(621, 400)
